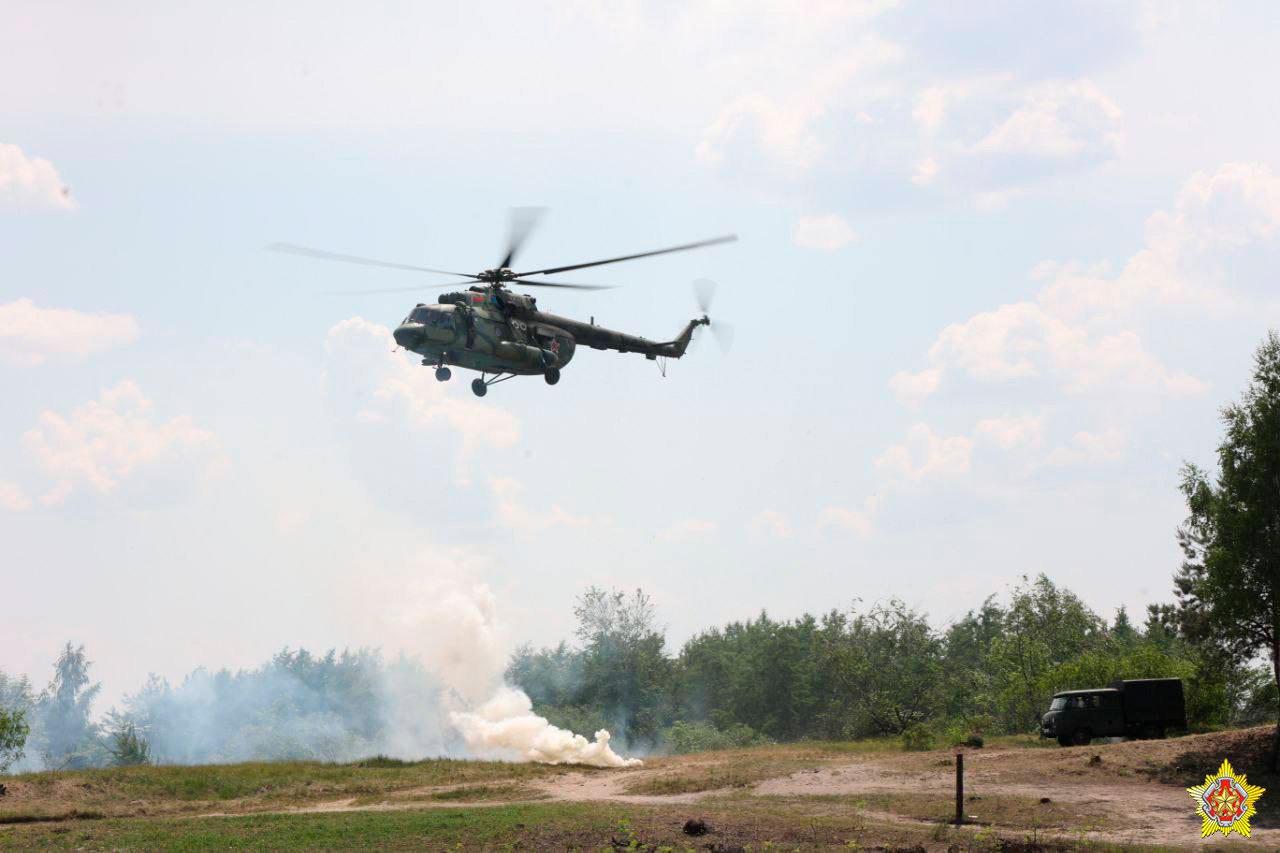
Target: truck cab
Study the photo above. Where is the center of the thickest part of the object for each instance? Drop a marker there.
(1079, 716)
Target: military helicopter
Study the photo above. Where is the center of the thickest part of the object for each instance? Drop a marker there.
(502, 334)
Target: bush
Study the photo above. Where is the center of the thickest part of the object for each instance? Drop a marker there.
(128, 747)
(13, 736)
(918, 738)
(682, 738)
(968, 731)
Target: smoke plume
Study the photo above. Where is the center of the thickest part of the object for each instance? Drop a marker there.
(506, 726)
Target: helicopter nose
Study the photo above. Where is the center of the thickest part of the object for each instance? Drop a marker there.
(405, 336)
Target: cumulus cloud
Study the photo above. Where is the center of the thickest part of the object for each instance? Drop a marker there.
(31, 182)
(1058, 121)
(690, 530)
(925, 172)
(828, 233)
(789, 136)
(842, 518)
(115, 447)
(754, 126)
(512, 511)
(1024, 339)
(1088, 448)
(377, 385)
(13, 498)
(771, 524)
(911, 388)
(30, 335)
(925, 454)
(1081, 332)
(1008, 433)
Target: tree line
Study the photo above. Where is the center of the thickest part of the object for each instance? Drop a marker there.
(878, 670)
(882, 670)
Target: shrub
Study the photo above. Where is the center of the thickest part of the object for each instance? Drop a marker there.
(682, 738)
(918, 738)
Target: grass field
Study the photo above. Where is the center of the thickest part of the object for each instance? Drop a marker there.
(866, 794)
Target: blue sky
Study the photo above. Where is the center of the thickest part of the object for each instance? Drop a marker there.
(999, 266)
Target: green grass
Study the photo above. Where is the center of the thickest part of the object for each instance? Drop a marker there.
(397, 830)
(126, 791)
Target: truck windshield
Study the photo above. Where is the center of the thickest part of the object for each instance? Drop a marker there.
(1059, 702)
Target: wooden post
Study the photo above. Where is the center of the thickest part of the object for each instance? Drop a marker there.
(959, 788)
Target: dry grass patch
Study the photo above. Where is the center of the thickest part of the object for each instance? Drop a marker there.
(710, 771)
(256, 786)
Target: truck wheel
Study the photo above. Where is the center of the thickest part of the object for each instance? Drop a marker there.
(1064, 741)
(1081, 737)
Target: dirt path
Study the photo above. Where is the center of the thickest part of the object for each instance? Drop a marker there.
(1141, 811)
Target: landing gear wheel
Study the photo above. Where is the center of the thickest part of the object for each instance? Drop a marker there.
(1064, 741)
(1081, 737)
(552, 375)
(443, 374)
(478, 386)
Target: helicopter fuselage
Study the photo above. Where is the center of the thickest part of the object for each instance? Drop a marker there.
(498, 332)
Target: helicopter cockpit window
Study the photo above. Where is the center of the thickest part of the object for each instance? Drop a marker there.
(420, 315)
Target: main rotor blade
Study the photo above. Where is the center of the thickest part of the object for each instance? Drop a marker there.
(523, 221)
(726, 239)
(391, 289)
(562, 284)
(308, 252)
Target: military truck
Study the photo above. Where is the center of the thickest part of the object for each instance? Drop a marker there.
(1136, 708)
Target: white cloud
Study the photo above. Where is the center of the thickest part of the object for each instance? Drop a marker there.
(379, 386)
(688, 531)
(1088, 448)
(755, 126)
(828, 233)
(30, 182)
(931, 107)
(1010, 432)
(115, 445)
(925, 172)
(840, 518)
(1058, 121)
(925, 454)
(13, 498)
(771, 523)
(1081, 331)
(911, 388)
(509, 506)
(1023, 339)
(30, 335)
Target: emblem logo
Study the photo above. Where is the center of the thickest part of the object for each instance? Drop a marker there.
(555, 345)
(1225, 802)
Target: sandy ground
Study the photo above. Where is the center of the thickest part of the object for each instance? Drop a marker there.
(1109, 780)
(1137, 788)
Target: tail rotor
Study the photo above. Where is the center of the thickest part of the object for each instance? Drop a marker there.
(704, 292)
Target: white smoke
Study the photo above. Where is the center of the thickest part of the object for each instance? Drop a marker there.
(434, 609)
(506, 727)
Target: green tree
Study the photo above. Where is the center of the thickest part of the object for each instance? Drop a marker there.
(625, 669)
(125, 742)
(66, 736)
(890, 662)
(13, 736)
(1044, 626)
(1229, 581)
